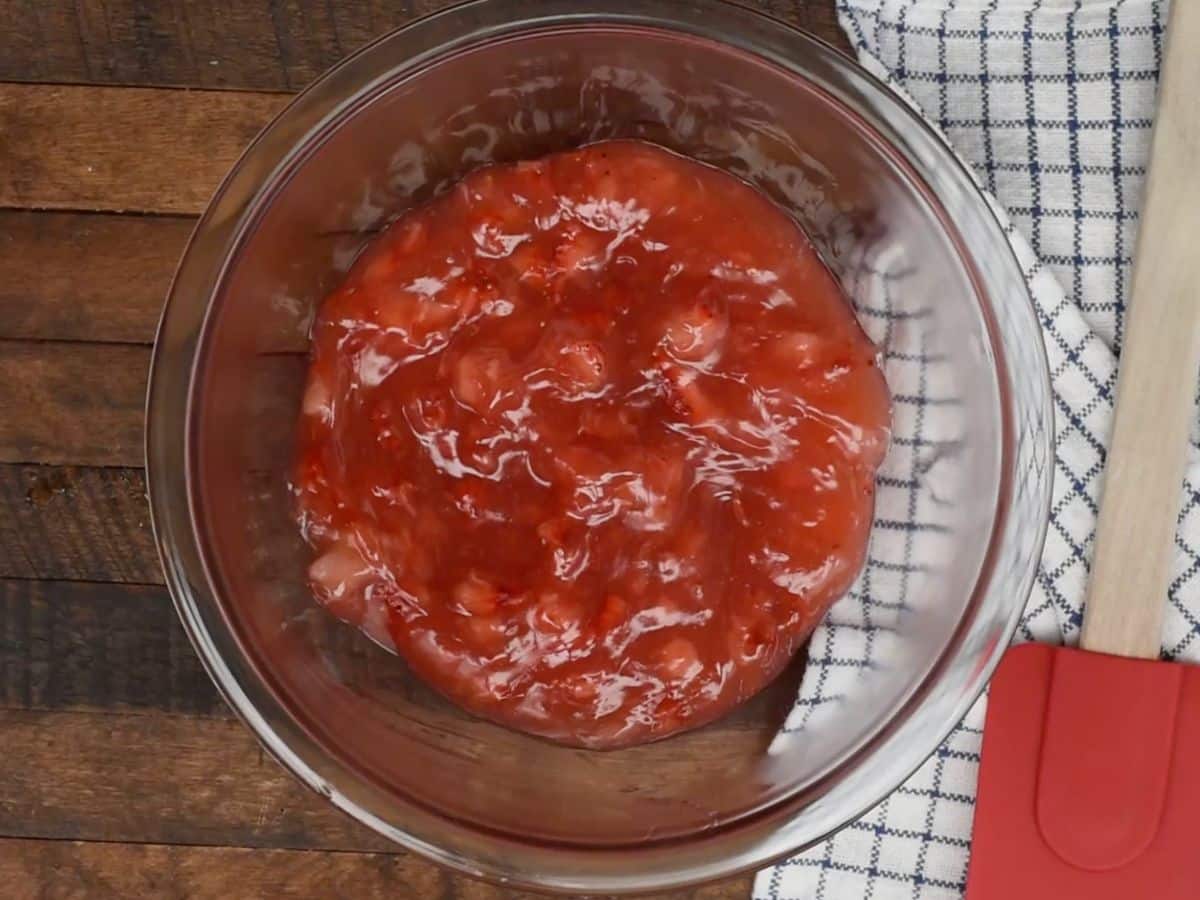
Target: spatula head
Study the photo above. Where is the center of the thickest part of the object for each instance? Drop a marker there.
(1089, 782)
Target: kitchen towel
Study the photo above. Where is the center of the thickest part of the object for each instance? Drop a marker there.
(1051, 102)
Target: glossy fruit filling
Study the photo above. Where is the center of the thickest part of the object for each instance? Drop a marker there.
(591, 441)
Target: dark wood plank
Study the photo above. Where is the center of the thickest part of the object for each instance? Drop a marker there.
(81, 524)
(818, 17)
(85, 646)
(72, 403)
(281, 45)
(82, 404)
(122, 149)
(65, 870)
(266, 46)
(86, 277)
(59, 870)
(112, 776)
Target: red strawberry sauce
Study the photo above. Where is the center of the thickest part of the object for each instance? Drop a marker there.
(591, 442)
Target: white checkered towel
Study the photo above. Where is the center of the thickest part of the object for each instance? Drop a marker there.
(1052, 102)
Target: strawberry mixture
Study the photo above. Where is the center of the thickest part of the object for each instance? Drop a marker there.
(591, 442)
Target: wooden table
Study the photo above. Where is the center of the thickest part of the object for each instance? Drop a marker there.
(122, 773)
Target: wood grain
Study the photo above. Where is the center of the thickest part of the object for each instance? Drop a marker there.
(64, 870)
(1156, 383)
(80, 524)
(199, 782)
(98, 647)
(86, 277)
(72, 403)
(158, 779)
(213, 44)
(82, 404)
(122, 149)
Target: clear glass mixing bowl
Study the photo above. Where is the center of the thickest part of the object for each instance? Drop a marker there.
(963, 497)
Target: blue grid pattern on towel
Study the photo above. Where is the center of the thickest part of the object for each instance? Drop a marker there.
(1051, 102)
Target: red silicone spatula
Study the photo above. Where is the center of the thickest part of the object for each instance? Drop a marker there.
(1090, 777)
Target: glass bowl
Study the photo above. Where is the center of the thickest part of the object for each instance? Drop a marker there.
(963, 496)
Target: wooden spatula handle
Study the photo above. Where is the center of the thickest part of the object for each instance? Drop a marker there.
(1156, 385)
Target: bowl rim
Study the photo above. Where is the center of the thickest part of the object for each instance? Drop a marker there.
(803, 818)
